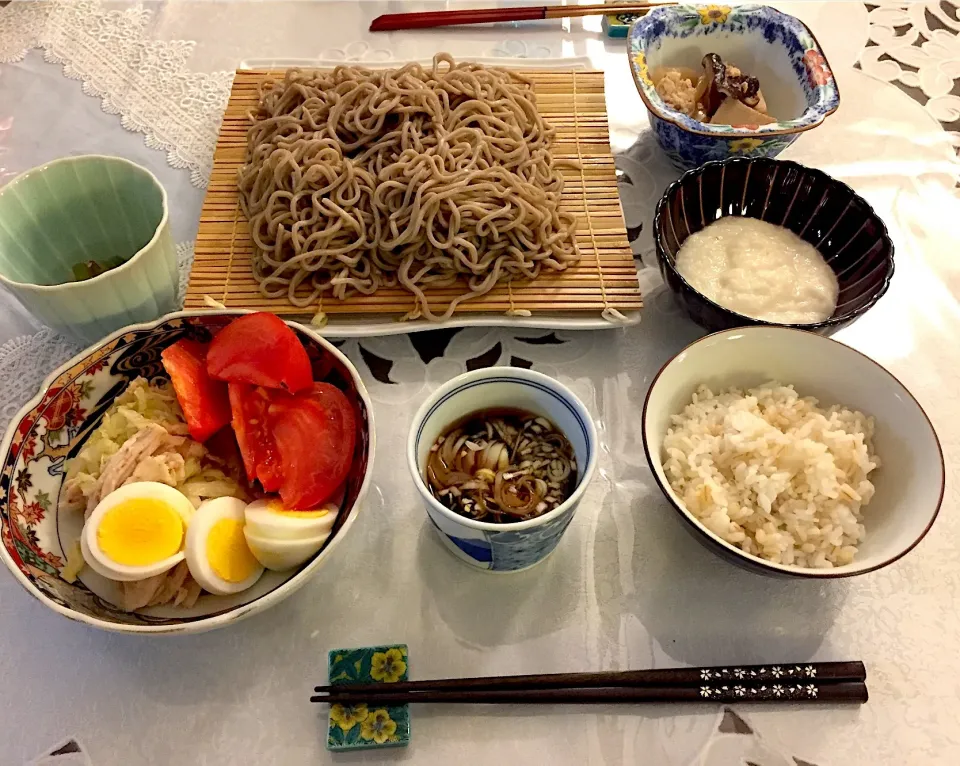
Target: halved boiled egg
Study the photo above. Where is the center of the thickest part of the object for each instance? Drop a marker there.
(282, 539)
(217, 553)
(268, 518)
(280, 555)
(136, 531)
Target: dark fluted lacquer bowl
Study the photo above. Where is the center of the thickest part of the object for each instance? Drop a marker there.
(821, 210)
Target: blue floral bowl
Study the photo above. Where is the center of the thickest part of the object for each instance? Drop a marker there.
(776, 48)
(523, 544)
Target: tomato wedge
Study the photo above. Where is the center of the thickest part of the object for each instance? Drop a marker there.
(203, 400)
(261, 350)
(315, 433)
(261, 460)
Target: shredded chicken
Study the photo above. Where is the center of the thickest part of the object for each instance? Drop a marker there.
(175, 580)
(165, 468)
(74, 499)
(187, 596)
(188, 449)
(144, 437)
(139, 593)
(176, 586)
(123, 463)
(153, 454)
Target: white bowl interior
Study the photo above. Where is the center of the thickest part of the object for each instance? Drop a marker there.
(91, 208)
(768, 62)
(909, 481)
(502, 391)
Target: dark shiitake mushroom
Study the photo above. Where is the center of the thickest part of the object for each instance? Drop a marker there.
(721, 81)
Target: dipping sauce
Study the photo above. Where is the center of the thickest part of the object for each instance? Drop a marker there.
(501, 466)
(759, 270)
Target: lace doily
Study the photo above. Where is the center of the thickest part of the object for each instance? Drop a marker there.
(24, 363)
(26, 360)
(915, 46)
(145, 81)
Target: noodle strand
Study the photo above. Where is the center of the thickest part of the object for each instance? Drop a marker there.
(356, 179)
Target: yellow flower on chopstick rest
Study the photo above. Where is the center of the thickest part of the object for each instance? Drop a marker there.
(713, 14)
(388, 666)
(640, 59)
(744, 145)
(348, 716)
(378, 726)
(366, 726)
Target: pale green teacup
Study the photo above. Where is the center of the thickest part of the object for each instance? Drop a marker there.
(58, 217)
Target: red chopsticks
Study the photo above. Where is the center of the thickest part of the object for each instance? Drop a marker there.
(429, 19)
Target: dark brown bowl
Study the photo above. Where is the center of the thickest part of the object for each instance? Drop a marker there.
(821, 210)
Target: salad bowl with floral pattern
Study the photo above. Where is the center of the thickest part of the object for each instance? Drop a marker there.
(36, 540)
(778, 49)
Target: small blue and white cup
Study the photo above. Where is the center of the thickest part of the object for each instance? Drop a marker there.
(523, 544)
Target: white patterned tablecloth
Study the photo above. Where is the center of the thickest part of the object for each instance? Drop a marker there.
(627, 588)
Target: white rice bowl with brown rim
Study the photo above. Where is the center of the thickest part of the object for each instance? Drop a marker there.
(774, 473)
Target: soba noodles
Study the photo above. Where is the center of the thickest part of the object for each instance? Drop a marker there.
(502, 466)
(422, 177)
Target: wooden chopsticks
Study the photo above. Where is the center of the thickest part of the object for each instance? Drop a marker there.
(809, 682)
(427, 19)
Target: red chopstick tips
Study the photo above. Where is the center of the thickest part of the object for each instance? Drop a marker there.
(396, 21)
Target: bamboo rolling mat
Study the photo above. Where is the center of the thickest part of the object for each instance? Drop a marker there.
(604, 282)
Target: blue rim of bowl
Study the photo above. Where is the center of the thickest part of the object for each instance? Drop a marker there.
(755, 561)
(812, 116)
(790, 164)
(110, 272)
(219, 619)
(541, 382)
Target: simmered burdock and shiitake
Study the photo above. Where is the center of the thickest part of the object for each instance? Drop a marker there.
(721, 94)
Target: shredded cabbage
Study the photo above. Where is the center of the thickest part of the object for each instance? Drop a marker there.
(74, 564)
(210, 482)
(141, 404)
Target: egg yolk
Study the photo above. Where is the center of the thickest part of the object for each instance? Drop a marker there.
(276, 507)
(227, 551)
(140, 531)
